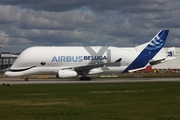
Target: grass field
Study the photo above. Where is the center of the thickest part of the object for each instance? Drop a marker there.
(112, 101)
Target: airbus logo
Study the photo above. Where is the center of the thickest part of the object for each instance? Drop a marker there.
(94, 57)
(76, 58)
(170, 53)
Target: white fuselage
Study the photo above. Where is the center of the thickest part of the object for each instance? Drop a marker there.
(48, 60)
(70, 61)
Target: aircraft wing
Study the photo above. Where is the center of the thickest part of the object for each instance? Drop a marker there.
(87, 68)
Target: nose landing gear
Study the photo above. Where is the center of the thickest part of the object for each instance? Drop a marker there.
(25, 78)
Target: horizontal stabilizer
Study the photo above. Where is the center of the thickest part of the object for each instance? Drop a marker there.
(154, 62)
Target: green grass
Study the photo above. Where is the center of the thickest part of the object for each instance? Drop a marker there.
(108, 101)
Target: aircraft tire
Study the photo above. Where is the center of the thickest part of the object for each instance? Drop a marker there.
(26, 79)
(85, 78)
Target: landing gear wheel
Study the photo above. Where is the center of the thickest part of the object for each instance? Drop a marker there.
(85, 78)
(25, 79)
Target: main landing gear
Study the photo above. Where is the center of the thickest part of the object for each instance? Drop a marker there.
(84, 76)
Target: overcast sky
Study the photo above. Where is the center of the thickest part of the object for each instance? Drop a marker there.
(26, 23)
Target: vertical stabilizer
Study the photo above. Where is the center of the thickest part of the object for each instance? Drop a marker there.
(148, 50)
(156, 43)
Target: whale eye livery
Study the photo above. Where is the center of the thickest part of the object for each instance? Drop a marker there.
(71, 61)
(43, 63)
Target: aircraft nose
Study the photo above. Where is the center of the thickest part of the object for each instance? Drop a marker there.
(6, 73)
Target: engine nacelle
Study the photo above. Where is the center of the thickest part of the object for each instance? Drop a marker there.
(66, 73)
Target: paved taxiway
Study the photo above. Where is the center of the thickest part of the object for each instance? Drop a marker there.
(16, 81)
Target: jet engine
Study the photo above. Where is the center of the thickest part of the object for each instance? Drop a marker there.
(66, 74)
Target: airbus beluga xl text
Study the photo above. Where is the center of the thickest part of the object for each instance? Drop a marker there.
(70, 61)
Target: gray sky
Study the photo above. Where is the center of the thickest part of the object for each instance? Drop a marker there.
(26, 23)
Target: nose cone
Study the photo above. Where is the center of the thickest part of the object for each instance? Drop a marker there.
(7, 73)
(11, 74)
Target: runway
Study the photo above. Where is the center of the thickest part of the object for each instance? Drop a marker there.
(17, 81)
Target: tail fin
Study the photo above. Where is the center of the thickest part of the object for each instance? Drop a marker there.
(148, 50)
(156, 43)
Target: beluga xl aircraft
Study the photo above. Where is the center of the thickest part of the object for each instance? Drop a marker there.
(71, 61)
